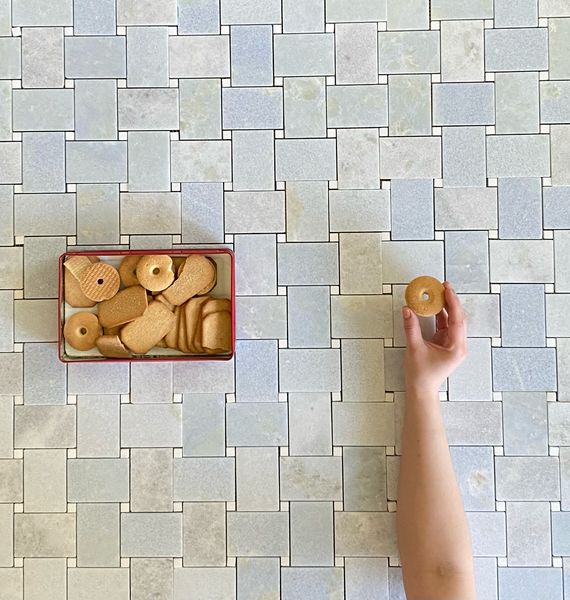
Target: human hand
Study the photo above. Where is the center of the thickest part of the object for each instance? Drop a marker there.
(427, 363)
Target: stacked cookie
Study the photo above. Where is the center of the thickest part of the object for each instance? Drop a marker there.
(163, 303)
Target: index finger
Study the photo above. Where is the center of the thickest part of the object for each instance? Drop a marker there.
(456, 330)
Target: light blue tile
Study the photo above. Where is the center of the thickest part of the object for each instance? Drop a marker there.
(41, 266)
(307, 54)
(95, 57)
(475, 472)
(94, 17)
(518, 156)
(314, 301)
(198, 16)
(42, 57)
(463, 104)
(96, 162)
(305, 160)
(556, 202)
(530, 584)
(43, 162)
(43, 110)
(256, 371)
(522, 14)
(202, 213)
(253, 164)
(256, 268)
(311, 370)
(462, 9)
(11, 161)
(96, 110)
(44, 214)
(147, 57)
(520, 208)
(6, 112)
(560, 533)
(98, 214)
(149, 161)
(312, 534)
(261, 317)
(251, 55)
(256, 424)
(524, 369)
(258, 578)
(555, 101)
(472, 378)
(522, 315)
(308, 264)
(356, 58)
(412, 209)
(360, 10)
(467, 260)
(529, 541)
(357, 106)
(464, 161)
(36, 13)
(516, 49)
(244, 12)
(204, 425)
(305, 17)
(252, 108)
(525, 423)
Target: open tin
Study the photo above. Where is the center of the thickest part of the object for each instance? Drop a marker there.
(224, 288)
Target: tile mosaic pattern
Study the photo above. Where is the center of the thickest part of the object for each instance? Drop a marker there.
(341, 148)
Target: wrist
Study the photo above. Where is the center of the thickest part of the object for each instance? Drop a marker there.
(422, 393)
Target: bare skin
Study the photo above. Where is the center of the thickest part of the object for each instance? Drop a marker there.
(433, 535)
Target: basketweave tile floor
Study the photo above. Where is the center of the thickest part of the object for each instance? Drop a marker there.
(341, 147)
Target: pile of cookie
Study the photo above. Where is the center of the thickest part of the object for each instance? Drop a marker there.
(152, 301)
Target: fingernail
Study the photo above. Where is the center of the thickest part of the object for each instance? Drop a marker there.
(407, 312)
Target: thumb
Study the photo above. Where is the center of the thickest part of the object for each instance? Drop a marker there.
(412, 328)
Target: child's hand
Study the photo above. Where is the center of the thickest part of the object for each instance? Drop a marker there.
(428, 363)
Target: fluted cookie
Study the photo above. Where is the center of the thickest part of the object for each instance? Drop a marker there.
(100, 281)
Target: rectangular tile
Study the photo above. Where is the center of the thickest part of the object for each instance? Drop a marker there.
(160, 12)
(45, 576)
(257, 479)
(151, 425)
(310, 424)
(561, 268)
(12, 489)
(96, 109)
(29, 12)
(152, 578)
(555, 101)
(149, 161)
(44, 214)
(44, 426)
(6, 321)
(151, 383)
(523, 15)
(520, 208)
(530, 584)
(486, 423)
(310, 478)
(204, 479)
(261, 317)
(258, 578)
(394, 47)
(6, 424)
(559, 424)
(360, 263)
(44, 535)
(318, 581)
(203, 425)
(313, 300)
(200, 109)
(313, 370)
(472, 379)
(521, 261)
(11, 157)
(308, 264)
(204, 534)
(528, 534)
(462, 9)
(151, 480)
(201, 161)
(256, 371)
(517, 103)
(252, 108)
(516, 49)
(307, 159)
(96, 162)
(467, 247)
(518, 156)
(205, 378)
(43, 110)
(254, 169)
(558, 46)
(559, 136)
(363, 424)
(409, 105)
(527, 478)
(254, 212)
(202, 212)
(6, 18)
(148, 108)
(30, 320)
(198, 17)
(305, 107)
(256, 424)
(525, 423)
(465, 208)
(462, 51)
(362, 370)
(42, 57)
(218, 583)
(41, 266)
(402, 261)
(364, 478)
(45, 481)
(516, 301)
(251, 55)
(360, 10)
(475, 473)
(488, 533)
(524, 369)
(357, 106)
(98, 378)
(411, 14)
(98, 426)
(147, 57)
(95, 57)
(7, 215)
(366, 578)
(365, 534)
(312, 533)
(307, 211)
(258, 533)
(99, 226)
(6, 110)
(150, 213)
(565, 477)
(94, 17)
(411, 209)
(358, 159)
(98, 535)
(356, 48)
(410, 158)
(463, 104)
(98, 480)
(196, 56)
(303, 54)
(153, 534)
(359, 210)
(102, 583)
(464, 159)
(366, 316)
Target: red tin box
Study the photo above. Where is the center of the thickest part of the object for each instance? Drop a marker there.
(225, 287)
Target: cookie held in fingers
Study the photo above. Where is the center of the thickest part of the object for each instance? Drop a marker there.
(81, 330)
(123, 307)
(146, 331)
(155, 272)
(112, 347)
(197, 273)
(425, 295)
(100, 281)
(128, 270)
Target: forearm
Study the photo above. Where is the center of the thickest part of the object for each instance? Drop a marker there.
(433, 534)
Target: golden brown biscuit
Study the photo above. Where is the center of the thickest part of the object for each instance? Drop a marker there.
(217, 332)
(171, 337)
(182, 342)
(72, 292)
(425, 295)
(208, 288)
(155, 272)
(216, 305)
(196, 274)
(111, 330)
(81, 330)
(100, 281)
(166, 303)
(144, 332)
(128, 270)
(123, 307)
(193, 318)
(77, 265)
(112, 347)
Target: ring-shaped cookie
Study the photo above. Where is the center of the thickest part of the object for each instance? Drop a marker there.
(100, 281)
(155, 272)
(81, 330)
(128, 270)
(425, 295)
